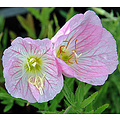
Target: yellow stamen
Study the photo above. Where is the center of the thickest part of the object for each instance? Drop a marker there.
(38, 83)
(69, 41)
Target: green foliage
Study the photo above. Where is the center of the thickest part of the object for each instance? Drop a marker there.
(12, 35)
(4, 40)
(43, 16)
(9, 100)
(101, 109)
(28, 25)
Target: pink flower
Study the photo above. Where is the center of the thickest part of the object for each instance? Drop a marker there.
(30, 70)
(85, 50)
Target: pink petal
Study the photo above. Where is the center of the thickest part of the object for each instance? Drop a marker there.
(69, 25)
(88, 67)
(66, 69)
(87, 29)
(105, 52)
(16, 82)
(16, 79)
(93, 80)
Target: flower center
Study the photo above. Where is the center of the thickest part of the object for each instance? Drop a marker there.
(64, 53)
(38, 82)
(33, 64)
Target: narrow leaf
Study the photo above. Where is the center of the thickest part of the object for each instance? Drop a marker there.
(88, 100)
(50, 30)
(86, 89)
(101, 109)
(4, 40)
(68, 94)
(79, 94)
(56, 23)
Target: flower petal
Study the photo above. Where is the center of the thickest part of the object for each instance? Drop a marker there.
(105, 52)
(93, 80)
(16, 81)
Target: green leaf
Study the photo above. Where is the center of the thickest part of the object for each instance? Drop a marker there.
(1, 34)
(8, 107)
(55, 102)
(101, 109)
(4, 40)
(34, 12)
(56, 23)
(88, 100)
(101, 95)
(50, 112)
(70, 13)
(40, 106)
(63, 13)
(2, 23)
(79, 94)
(28, 25)
(50, 30)
(86, 89)
(68, 94)
(90, 112)
(89, 107)
(12, 35)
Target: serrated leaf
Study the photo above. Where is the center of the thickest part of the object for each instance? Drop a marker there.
(101, 109)
(88, 100)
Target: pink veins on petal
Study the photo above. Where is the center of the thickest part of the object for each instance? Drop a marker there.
(85, 50)
(30, 70)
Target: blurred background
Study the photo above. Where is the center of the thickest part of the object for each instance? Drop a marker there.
(45, 22)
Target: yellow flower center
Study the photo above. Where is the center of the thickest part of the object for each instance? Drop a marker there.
(33, 64)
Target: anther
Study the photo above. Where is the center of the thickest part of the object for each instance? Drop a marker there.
(76, 56)
(69, 41)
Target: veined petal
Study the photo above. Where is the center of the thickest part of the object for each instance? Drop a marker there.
(88, 67)
(16, 81)
(105, 52)
(28, 64)
(69, 26)
(93, 80)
